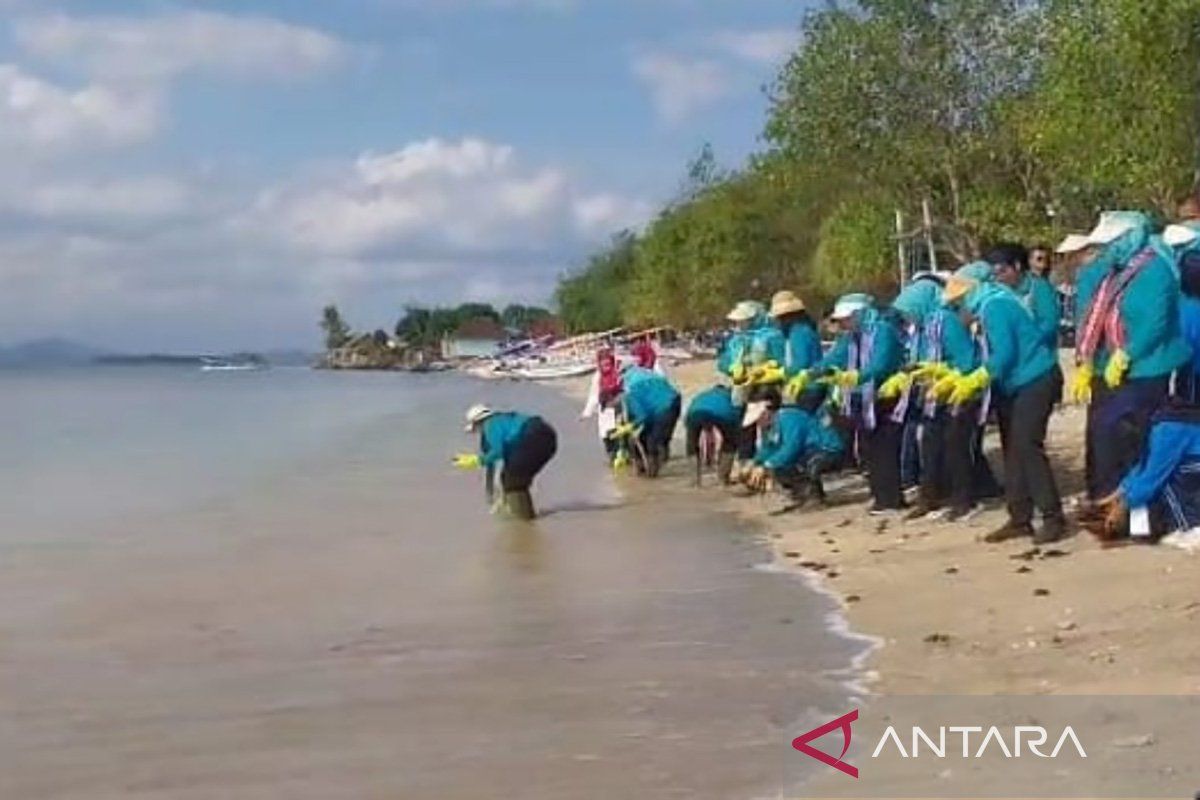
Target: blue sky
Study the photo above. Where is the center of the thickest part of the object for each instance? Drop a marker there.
(206, 175)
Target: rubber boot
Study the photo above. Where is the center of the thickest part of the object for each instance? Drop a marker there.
(725, 468)
(520, 504)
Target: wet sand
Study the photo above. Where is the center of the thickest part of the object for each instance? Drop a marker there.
(360, 628)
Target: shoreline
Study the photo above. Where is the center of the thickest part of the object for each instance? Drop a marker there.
(946, 614)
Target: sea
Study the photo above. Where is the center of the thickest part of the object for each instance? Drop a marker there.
(273, 584)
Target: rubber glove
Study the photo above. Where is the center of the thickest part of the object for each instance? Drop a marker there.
(738, 373)
(944, 386)
(846, 379)
(931, 371)
(767, 374)
(622, 431)
(795, 387)
(1118, 365)
(467, 461)
(620, 461)
(1081, 384)
(968, 386)
(895, 386)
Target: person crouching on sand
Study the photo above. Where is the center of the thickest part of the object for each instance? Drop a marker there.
(1022, 373)
(713, 413)
(798, 447)
(652, 405)
(522, 444)
(1161, 495)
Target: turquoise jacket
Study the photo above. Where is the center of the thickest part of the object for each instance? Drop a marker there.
(802, 348)
(1017, 355)
(498, 435)
(916, 304)
(649, 396)
(958, 349)
(887, 354)
(1189, 319)
(1150, 310)
(715, 403)
(1171, 443)
(1041, 299)
(793, 437)
(758, 344)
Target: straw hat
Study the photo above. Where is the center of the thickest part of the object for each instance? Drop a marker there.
(784, 303)
(1179, 235)
(850, 304)
(744, 311)
(477, 414)
(1073, 244)
(957, 288)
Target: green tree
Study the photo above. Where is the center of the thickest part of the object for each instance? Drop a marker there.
(337, 332)
(591, 298)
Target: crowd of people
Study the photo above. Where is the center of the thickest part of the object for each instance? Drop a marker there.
(907, 390)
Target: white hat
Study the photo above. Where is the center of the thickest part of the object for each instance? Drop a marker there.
(744, 311)
(1073, 244)
(1112, 225)
(1179, 235)
(849, 305)
(477, 414)
(755, 412)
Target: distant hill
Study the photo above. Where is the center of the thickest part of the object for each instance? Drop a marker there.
(48, 352)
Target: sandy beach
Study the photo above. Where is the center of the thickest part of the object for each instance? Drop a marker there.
(955, 616)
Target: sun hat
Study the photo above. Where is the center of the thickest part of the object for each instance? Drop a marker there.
(784, 303)
(1073, 244)
(1179, 235)
(477, 414)
(744, 311)
(1115, 224)
(754, 412)
(850, 304)
(958, 287)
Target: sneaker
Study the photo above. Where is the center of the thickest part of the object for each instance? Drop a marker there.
(1007, 532)
(880, 511)
(964, 514)
(921, 511)
(1053, 529)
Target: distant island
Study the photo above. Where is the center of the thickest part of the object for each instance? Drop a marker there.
(57, 352)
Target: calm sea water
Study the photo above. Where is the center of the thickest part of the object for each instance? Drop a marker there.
(272, 585)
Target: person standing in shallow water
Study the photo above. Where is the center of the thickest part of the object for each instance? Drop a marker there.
(522, 445)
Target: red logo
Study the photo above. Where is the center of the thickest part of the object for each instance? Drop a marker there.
(801, 743)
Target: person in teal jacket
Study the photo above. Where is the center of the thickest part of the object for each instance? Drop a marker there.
(954, 470)
(1010, 267)
(1128, 344)
(801, 340)
(799, 445)
(652, 404)
(1022, 373)
(713, 411)
(753, 342)
(522, 445)
(865, 355)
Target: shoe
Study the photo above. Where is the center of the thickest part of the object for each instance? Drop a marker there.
(920, 511)
(962, 514)
(880, 511)
(1007, 532)
(1053, 529)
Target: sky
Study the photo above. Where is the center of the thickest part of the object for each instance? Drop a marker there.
(206, 175)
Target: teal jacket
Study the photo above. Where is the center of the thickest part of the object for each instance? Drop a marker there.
(793, 437)
(498, 435)
(887, 355)
(957, 347)
(715, 403)
(802, 348)
(751, 347)
(1017, 355)
(648, 396)
(1041, 299)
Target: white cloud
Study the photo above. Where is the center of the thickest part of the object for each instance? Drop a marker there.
(769, 46)
(679, 86)
(37, 114)
(140, 199)
(164, 46)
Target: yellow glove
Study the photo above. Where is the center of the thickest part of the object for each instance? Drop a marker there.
(623, 431)
(620, 461)
(895, 386)
(846, 379)
(467, 461)
(767, 374)
(931, 371)
(795, 387)
(944, 387)
(1118, 365)
(968, 386)
(737, 373)
(1081, 384)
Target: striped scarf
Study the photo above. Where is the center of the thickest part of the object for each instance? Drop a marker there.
(862, 347)
(933, 353)
(1103, 323)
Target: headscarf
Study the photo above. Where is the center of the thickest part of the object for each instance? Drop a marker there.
(610, 376)
(1120, 251)
(978, 297)
(978, 271)
(644, 355)
(918, 300)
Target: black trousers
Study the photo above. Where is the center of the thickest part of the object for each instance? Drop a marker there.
(947, 458)
(699, 422)
(804, 481)
(532, 452)
(1120, 426)
(656, 437)
(881, 452)
(1028, 479)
